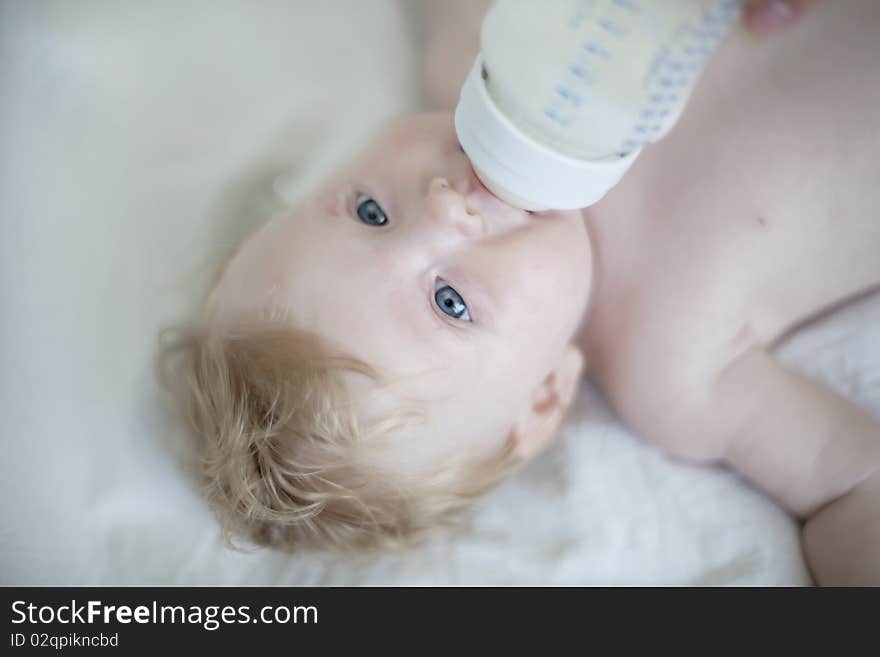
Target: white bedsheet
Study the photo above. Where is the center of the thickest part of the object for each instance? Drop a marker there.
(137, 141)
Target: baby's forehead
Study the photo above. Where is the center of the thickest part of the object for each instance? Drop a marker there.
(418, 422)
(414, 125)
(409, 129)
(416, 390)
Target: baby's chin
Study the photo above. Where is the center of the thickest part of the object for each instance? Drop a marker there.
(576, 216)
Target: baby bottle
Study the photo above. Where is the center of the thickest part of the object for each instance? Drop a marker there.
(565, 93)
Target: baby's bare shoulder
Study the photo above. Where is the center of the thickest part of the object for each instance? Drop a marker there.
(656, 352)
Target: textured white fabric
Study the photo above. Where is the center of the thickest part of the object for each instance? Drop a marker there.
(136, 138)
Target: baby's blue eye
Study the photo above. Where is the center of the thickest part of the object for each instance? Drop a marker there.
(369, 211)
(450, 302)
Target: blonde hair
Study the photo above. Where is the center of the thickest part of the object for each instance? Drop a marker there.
(282, 456)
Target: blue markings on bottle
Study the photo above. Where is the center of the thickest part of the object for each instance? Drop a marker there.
(611, 27)
(677, 70)
(554, 115)
(627, 4)
(571, 96)
(678, 64)
(580, 72)
(596, 49)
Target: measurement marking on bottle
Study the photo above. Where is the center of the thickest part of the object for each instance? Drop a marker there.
(596, 49)
(567, 94)
(612, 27)
(581, 73)
(627, 4)
(678, 70)
(554, 115)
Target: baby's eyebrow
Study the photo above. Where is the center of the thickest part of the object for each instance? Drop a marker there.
(332, 202)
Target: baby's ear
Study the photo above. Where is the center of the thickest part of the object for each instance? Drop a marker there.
(550, 400)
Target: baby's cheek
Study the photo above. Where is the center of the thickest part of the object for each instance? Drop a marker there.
(553, 300)
(521, 360)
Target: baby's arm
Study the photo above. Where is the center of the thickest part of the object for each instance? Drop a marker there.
(815, 452)
(453, 38)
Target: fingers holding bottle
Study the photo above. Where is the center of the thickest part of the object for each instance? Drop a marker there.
(768, 16)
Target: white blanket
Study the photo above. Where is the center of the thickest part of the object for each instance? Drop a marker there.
(139, 142)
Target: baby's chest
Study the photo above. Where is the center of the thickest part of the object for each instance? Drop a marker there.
(761, 207)
(757, 211)
(683, 291)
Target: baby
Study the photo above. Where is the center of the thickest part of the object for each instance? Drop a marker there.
(404, 340)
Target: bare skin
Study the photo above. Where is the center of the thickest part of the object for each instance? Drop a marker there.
(757, 213)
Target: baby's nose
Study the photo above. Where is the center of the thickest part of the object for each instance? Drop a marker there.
(449, 209)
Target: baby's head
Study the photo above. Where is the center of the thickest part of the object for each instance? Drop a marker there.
(393, 348)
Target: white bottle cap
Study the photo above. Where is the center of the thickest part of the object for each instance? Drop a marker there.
(520, 170)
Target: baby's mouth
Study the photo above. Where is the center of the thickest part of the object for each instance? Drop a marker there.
(495, 210)
(474, 183)
(480, 198)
